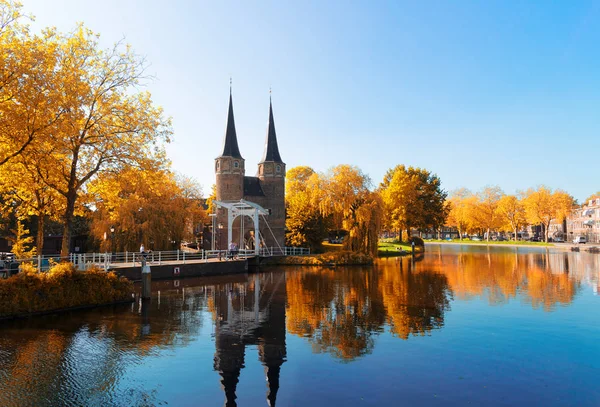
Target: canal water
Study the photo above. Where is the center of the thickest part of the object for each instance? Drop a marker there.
(457, 326)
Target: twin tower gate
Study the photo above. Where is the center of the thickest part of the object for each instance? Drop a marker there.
(243, 208)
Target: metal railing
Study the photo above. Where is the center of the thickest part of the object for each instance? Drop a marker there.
(123, 259)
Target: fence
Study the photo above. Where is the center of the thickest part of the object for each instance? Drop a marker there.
(110, 260)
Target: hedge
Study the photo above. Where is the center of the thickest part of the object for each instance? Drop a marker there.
(61, 288)
(341, 258)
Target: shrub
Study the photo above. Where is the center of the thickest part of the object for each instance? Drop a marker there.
(338, 258)
(418, 241)
(61, 287)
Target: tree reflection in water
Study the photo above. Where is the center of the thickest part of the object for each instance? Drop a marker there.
(341, 310)
(83, 358)
(542, 278)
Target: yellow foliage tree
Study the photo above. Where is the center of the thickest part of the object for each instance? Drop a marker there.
(305, 224)
(105, 124)
(413, 198)
(542, 206)
(22, 242)
(484, 209)
(28, 196)
(398, 195)
(345, 196)
(29, 101)
(151, 207)
(459, 211)
(512, 213)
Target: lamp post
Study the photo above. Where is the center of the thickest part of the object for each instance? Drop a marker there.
(212, 231)
(112, 240)
(219, 235)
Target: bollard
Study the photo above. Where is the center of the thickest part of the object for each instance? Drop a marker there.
(146, 280)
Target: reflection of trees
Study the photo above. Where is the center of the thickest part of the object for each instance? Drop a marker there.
(542, 278)
(341, 311)
(415, 301)
(78, 358)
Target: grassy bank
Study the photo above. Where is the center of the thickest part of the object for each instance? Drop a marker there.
(62, 287)
(334, 258)
(393, 248)
(491, 242)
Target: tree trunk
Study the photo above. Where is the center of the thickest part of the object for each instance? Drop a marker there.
(488, 235)
(40, 234)
(515, 229)
(68, 224)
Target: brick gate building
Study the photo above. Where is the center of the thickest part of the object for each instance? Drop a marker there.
(266, 189)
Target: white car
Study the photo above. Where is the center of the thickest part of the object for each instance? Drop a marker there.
(580, 239)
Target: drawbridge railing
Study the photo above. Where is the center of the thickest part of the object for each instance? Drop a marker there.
(106, 261)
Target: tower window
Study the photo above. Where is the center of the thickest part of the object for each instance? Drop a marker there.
(218, 165)
(278, 168)
(236, 164)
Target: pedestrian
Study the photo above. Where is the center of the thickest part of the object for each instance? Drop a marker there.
(231, 250)
(142, 249)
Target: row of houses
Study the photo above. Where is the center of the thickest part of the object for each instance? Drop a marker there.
(583, 221)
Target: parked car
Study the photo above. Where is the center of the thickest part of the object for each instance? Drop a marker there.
(580, 240)
(475, 238)
(558, 239)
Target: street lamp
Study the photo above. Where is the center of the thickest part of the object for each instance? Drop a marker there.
(112, 239)
(212, 231)
(219, 234)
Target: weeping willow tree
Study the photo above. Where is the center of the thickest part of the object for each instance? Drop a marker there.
(346, 197)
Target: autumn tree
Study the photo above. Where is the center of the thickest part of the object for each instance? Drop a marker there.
(21, 242)
(345, 196)
(484, 210)
(592, 197)
(28, 196)
(511, 212)
(211, 198)
(459, 211)
(29, 102)
(107, 124)
(542, 206)
(305, 224)
(399, 192)
(151, 207)
(413, 197)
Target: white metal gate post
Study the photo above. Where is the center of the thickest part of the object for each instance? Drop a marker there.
(256, 232)
(229, 227)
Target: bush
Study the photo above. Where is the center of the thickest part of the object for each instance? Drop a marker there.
(338, 258)
(418, 241)
(61, 287)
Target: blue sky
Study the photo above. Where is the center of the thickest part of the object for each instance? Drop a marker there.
(482, 93)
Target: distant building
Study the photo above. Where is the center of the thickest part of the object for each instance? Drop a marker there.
(266, 189)
(585, 221)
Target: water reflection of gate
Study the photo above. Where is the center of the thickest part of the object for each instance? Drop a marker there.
(250, 314)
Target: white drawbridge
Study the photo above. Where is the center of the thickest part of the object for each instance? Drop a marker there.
(243, 208)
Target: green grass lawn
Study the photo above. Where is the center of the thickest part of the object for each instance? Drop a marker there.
(491, 242)
(392, 248)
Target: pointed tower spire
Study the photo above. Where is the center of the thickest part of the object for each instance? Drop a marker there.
(271, 150)
(230, 144)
